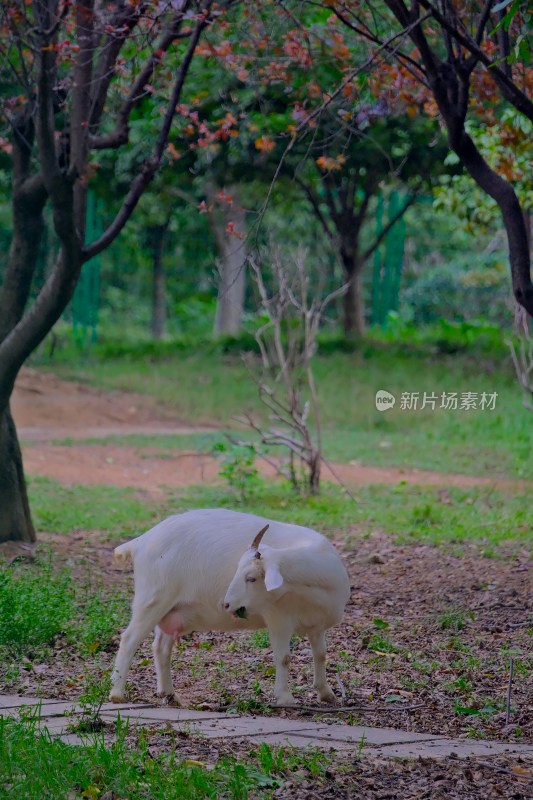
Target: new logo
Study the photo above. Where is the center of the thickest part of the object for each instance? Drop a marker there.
(384, 400)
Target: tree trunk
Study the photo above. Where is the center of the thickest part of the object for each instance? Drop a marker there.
(354, 307)
(232, 256)
(353, 300)
(158, 282)
(15, 518)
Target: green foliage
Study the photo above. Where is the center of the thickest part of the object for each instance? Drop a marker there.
(284, 760)
(380, 643)
(94, 694)
(507, 147)
(444, 276)
(458, 295)
(36, 603)
(453, 619)
(260, 638)
(443, 336)
(238, 467)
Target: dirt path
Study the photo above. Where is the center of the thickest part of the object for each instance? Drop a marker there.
(41, 399)
(151, 469)
(47, 408)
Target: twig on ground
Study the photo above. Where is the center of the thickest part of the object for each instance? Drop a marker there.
(504, 770)
(509, 688)
(339, 479)
(348, 709)
(342, 688)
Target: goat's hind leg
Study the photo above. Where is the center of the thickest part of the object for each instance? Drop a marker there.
(162, 649)
(318, 646)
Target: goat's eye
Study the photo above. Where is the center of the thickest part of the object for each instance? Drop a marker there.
(251, 579)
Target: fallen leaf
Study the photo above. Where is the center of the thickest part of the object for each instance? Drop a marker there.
(522, 773)
(393, 698)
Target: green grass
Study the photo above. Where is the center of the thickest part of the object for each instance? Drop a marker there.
(201, 442)
(409, 513)
(36, 766)
(39, 603)
(63, 509)
(36, 604)
(205, 386)
(406, 511)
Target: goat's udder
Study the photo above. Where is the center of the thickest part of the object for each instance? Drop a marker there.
(172, 624)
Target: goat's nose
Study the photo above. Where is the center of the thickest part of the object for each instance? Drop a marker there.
(226, 605)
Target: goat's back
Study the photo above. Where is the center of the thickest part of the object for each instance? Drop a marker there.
(191, 543)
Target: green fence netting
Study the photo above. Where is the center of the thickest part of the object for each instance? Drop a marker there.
(388, 259)
(85, 301)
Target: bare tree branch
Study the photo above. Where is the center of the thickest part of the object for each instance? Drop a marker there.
(286, 385)
(122, 24)
(316, 207)
(119, 135)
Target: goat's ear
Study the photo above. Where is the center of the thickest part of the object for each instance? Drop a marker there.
(273, 577)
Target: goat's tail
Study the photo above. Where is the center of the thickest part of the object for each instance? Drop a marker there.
(123, 554)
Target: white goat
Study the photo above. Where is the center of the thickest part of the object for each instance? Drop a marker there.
(198, 572)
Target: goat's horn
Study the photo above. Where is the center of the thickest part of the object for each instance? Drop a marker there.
(257, 541)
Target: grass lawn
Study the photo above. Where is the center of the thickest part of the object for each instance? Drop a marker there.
(406, 512)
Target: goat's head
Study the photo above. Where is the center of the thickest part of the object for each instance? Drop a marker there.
(257, 574)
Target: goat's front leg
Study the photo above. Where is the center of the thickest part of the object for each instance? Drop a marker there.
(318, 646)
(280, 639)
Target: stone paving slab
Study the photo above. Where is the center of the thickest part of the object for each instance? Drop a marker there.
(217, 731)
(16, 700)
(442, 748)
(299, 740)
(373, 736)
(162, 714)
(376, 742)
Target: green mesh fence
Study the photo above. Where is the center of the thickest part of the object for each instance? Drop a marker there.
(388, 259)
(85, 301)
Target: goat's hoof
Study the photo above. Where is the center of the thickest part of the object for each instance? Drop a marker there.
(327, 696)
(169, 697)
(117, 697)
(286, 700)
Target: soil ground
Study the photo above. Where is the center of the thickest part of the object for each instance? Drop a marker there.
(424, 645)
